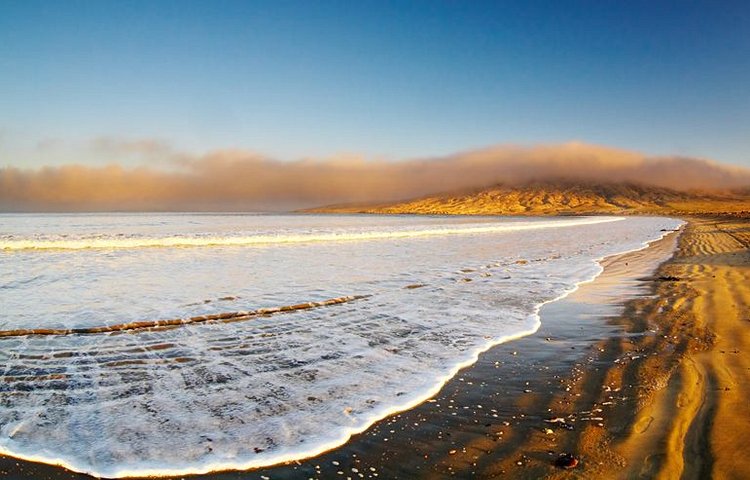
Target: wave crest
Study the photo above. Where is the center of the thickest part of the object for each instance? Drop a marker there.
(265, 239)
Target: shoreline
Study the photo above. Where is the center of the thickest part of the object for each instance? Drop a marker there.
(657, 390)
(662, 393)
(35, 470)
(688, 413)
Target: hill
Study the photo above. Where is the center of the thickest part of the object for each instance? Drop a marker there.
(562, 198)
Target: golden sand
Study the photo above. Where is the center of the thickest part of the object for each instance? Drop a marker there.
(697, 427)
(688, 376)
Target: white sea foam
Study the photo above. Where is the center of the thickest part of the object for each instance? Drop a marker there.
(249, 394)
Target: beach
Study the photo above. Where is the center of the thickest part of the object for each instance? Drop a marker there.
(385, 240)
(639, 374)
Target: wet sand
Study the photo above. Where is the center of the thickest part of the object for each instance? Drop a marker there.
(648, 375)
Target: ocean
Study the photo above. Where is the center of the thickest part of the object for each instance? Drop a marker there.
(416, 299)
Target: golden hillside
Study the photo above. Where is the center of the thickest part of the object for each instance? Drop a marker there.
(562, 198)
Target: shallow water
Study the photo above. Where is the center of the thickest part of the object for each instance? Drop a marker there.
(252, 393)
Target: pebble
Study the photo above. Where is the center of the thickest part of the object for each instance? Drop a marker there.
(566, 461)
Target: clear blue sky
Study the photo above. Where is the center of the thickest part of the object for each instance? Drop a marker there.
(392, 79)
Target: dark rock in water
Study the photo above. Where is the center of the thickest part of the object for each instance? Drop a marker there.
(669, 278)
(566, 461)
(415, 285)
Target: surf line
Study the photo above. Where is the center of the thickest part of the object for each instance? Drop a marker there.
(155, 325)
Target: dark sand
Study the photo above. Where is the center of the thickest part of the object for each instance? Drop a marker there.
(602, 355)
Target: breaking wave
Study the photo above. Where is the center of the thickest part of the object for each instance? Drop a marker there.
(109, 242)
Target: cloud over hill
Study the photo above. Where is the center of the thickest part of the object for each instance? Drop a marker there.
(241, 180)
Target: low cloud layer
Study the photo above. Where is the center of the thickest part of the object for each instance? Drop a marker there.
(245, 181)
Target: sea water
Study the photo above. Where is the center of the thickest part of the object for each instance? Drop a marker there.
(214, 396)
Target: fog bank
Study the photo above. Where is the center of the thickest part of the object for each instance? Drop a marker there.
(244, 181)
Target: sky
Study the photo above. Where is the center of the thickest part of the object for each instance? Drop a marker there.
(130, 83)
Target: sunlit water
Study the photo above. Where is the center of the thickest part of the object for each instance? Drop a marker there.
(216, 396)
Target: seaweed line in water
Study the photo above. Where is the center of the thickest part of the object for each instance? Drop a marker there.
(153, 325)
